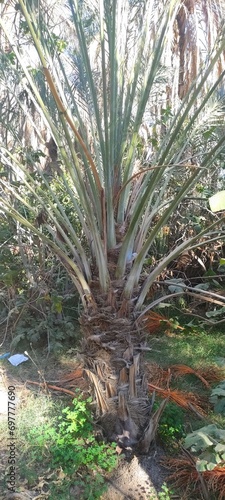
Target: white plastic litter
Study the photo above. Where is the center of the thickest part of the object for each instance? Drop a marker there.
(16, 359)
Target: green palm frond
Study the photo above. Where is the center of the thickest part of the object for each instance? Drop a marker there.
(129, 153)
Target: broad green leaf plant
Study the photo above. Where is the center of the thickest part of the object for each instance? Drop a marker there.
(104, 88)
(208, 444)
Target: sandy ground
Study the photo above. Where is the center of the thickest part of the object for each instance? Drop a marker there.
(137, 480)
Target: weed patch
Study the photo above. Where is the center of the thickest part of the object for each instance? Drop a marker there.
(171, 426)
(67, 446)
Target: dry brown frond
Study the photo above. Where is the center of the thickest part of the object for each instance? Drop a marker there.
(161, 376)
(187, 400)
(215, 480)
(99, 393)
(151, 429)
(156, 374)
(153, 322)
(75, 374)
(74, 379)
(186, 476)
(53, 387)
(212, 373)
(179, 370)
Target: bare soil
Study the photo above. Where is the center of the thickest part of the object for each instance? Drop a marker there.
(139, 479)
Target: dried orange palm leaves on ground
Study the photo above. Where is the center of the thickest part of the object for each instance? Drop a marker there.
(179, 370)
(153, 322)
(75, 374)
(162, 376)
(46, 386)
(185, 476)
(212, 374)
(73, 380)
(187, 400)
(157, 375)
(189, 479)
(215, 480)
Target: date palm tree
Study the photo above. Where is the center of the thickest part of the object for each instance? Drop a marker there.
(100, 95)
(196, 27)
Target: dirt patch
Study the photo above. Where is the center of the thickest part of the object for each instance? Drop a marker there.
(139, 479)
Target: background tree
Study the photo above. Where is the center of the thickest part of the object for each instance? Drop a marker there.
(96, 98)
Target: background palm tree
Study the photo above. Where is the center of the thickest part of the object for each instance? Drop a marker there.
(125, 170)
(195, 34)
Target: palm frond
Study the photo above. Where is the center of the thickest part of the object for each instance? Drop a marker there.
(186, 477)
(96, 99)
(153, 322)
(212, 374)
(187, 400)
(215, 480)
(180, 370)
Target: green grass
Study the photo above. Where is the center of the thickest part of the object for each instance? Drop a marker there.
(196, 347)
(57, 449)
(32, 411)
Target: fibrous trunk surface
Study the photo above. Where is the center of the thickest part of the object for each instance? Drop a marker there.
(113, 351)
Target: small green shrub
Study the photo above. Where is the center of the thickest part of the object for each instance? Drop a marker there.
(165, 493)
(83, 489)
(70, 445)
(171, 427)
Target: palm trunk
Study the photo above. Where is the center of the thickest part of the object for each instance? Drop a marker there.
(113, 352)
